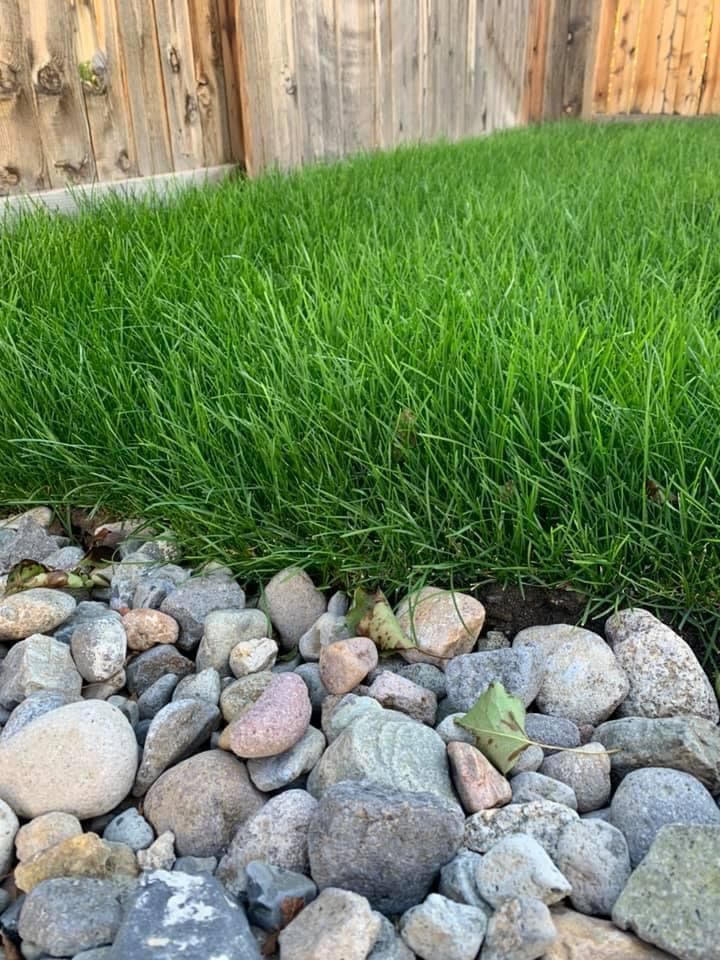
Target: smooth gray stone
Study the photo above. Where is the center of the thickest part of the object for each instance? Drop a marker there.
(196, 865)
(427, 676)
(458, 880)
(520, 670)
(34, 706)
(389, 945)
(536, 786)
(10, 918)
(158, 695)
(65, 915)
(310, 673)
(85, 611)
(144, 670)
(648, 799)
(443, 928)
(594, 857)
(672, 899)
(37, 663)
(326, 630)
(153, 588)
(194, 600)
(586, 771)
(274, 773)
(141, 731)
(199, 686)
(338, 713)
(689, 743)
(293, 604)
(520, 929)
(127, 707)
(30, 541)
(176, 914)
(223, 630)
(275, 895)
(386, 844)
(552, 731)
(519, 866)
(131, 829)
(97, 953)
(177, 731)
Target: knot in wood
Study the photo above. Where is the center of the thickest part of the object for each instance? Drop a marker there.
(8, 78)
(50, 78)
(191, 108)
(173, 59)
(9, 176)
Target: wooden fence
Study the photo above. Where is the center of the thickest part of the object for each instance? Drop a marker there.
(103, 90)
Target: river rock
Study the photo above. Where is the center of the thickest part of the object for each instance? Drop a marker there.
(194, 600)
(690, 744)
(223, 630)
(252, 656)
(145, 628)
(529, 760)
(32, 707)
(158, 582)
(175, 732)
(317, 691)
(345, 663)
(275, 896)
(540, 819)
(199, 686)
(451, 731)
(338, 713)
(242, 693)
(406, 839)
(441, 929)
(176, 914)
(586, 770)
(105, 689)
(160, 855)
(594, 857)
(38, 663)
(78, 759)
(85, 855)
(278, 772)
(338, 924)
(530, 786)
(459, 880)
(389, 946)
(443, 624)
(520, 929)
(587, 938)
(145, 669)
(520, 671)
(552, 731)
(98, 648)
(479, 785)
(33, 611)
(274, 723)
(396, 692)
(203, 801)
(672, 899)
(277, 834)
(518, 866)
(84, 612)
(583, 681)
(130, 828)
(293, 604)
(9, 825)
(157, 696)
(425, 675)
(648, 799)
(44, 832)
(66, 915)
(666, 679)
(327, 629)
(386, 748)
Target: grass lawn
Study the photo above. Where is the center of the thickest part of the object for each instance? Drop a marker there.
(497, 359)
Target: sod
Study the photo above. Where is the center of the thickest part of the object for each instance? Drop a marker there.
(497, 359)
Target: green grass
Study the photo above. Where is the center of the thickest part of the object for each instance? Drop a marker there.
(449, 363)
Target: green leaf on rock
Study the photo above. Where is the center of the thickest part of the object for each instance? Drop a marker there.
(497, 720)
(371, 616)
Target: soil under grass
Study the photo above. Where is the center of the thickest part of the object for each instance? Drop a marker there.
(499, 359)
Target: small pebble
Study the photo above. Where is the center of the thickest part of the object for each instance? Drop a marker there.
(252, 656)
(479, 785)
(345, 664)
(146, 628)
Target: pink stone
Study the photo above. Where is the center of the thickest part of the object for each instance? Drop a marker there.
(274, 723)
(145, 628)
(399, 693)
(345, 663)
(478, 783)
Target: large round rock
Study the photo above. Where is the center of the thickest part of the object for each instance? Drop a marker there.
(33, 611)
(78, 759)
(202, 800)
(385, 844)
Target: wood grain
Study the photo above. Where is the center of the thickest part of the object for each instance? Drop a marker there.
(210, 92)
(533, 99)
(229, 43)
(710, 96)
(693, 57)
(604, 55)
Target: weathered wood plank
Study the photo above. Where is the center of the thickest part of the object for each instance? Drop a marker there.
(104, 90)
(146, 98)
(227, 17)
(604, 53)
(505, 32)
(458, 66)
(710, 96)
(357, 71)
(383, 95)
(578, 55)
(49, 31)
(475, 110)
(22, 164)
(622, 71)
(282, 86)
(652, 56)
(330, 54)
(212, 103)
(674, 51)
(255, 100)
(533, 101)
(691, 66)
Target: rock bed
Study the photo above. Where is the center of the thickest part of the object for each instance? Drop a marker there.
(185, 774)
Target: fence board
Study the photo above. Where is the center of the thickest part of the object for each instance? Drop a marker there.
(358, 72)
(22, 164)
(691, 66)
(55, 77)
(710, 96)
(652, 57)
(207, 53)
(104, 89)
(282, 85)
(603, 55)
(146, 97)
(505, 40)
(475, 111)
(228, 36)
(535, 59)
(622, 70)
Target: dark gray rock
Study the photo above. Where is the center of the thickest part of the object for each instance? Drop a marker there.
(143, 671)
(69, 914)
(30, 541)
(594, 857)
(194, 600)
(425, 675)
(141, 731)
(131, 829)
(520, 671)
(648, 799)
(176, 914)
(672, 899)
(34, 706)
(274, 773)
(690, 744)
(157, 584)
(310, 673)
(158, 695)
(553, 731)
(385, 844)
(176, 732)
(275, 895)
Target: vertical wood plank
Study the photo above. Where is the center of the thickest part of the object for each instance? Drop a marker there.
(382, 58)
(104, 90)
(282, 85)
(424, 10)
(651, 65)
(330, 80)
(139, 46)
(212, 102)
(22, 164)
(675, 46)
(710, 96)
(49, 31)
(458, 66)
(604, 52)
(691, 67)
(229, 42)
(535, 62)
(593, 40)
(356, 42)
(622, 71)
(505, 34)
(254, 93)
(475, 111)
(579, 37)
(308, 79)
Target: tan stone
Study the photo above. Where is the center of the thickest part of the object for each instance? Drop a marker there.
(339, 925)
(145, 628)
(83, 856)
(478, 783)
(582, 938)
(44, 832)
(442, 623)
(345, 663)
